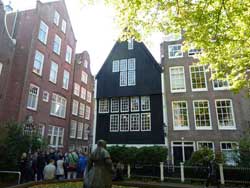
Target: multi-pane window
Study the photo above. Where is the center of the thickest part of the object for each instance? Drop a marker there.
(134, 122)
(41, 129)
(174, 51)
(123, 78)
(46, 96)
(114, 123)
(64, 26)
(202, 114)
(84, 77)
(203, 144)
(79, 130)
(193, 51)
(68, 54)
(124, 122)
(145, 122)
(83, 93)
(180, 115)
(87, 112)
(1, 67)
(76, 89)
(65, 79)
(38, 63)
(145, 103)
(43, 32)
(221, 84)
(124, 104)
(103, 106)
(73, 126)
(89, 96)
(81, 110)
(131, 64)
(198, 78)
(123, 65)
(75, 105)
(56, 18)
(53, 72)
(228, 149)
(177, 79)
(131, 78)
(86, 132)
(57, 44)
(130, 44)
(135, 104)
(58, 106)
(33, 97)
(225, 114)
(114, 105)
(55, 136)
(115, 66)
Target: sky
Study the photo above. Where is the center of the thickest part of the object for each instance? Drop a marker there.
(94, 28)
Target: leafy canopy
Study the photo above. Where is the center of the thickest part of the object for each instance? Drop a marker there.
(219, 27)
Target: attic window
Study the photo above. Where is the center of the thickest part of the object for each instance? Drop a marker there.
(130, 44)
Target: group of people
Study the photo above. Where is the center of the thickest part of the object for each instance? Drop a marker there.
(52, 165)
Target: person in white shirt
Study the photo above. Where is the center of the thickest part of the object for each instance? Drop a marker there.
(59, 168)
(49, 170)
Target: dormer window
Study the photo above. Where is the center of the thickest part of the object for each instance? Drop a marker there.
(130, 44)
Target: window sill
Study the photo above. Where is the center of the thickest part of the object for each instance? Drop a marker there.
(179, 91)
(175, 57)
(54, 115)
(181, 129)
(33, 109)
(205, 128)
(199, 90)
(227, 128)
(39, 75)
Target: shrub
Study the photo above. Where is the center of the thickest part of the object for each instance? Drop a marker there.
(201, 157)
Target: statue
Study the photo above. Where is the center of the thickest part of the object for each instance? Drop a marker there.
(98, 173)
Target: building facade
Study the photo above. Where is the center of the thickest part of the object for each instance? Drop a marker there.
(128, 108)
(39, 90)
(6, 57)
(200, 112)
(82, 105)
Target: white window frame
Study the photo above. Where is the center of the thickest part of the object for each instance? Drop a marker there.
(66, 76)
(81, 110)
(113, 100)
(41, 129)
(61, 103)
(75, 105)
(115, 66)
(205, 142)
(87, 112)
(57, 136)
(123, 78)
(225, 127)
(124, 129)
(64, 26)
(45, 96)
(202, 128)
(68, 55)
(79, 130)
(130, 44)
(229, 142)
(137, 103)
(57, 43)
(138, 121)
(174, 57)
(53, 71)
(142, 124)
(83, 93)
(126, 99)
(131, 64)
(111, 128)
(56, 18)
(193, 51)
(171, 80)
(191, 80)
(221, 88)
(123, 65)
(43, 40)
(36, 98)
(73, 127)
(101, 103)
(36, 60)
(84, 77)
(89, 96)
(86, 132)
(131, 78)
(175, 127)
(147, 99)
(76, 89)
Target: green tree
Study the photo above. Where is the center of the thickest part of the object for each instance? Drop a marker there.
(219, 27)
(244, 150)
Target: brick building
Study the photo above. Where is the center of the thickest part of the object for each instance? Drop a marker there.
(41, 81)
(6, 56)
(200, 112)
(81, 115)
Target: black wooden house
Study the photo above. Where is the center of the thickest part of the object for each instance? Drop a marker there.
(129, 97)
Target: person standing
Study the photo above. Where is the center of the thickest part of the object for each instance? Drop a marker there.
(41, 162)
(212, 177)
(60, 168)
(24, 166)
(72, 165)
(82, 163)
(49, 170)
(98, 172)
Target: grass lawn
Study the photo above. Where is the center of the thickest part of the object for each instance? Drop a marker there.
(69, 185)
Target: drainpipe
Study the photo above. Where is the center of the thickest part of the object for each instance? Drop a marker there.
(95, 116)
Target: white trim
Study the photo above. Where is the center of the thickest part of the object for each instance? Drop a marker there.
(180, 128)
(64, 26)
(130, 44)
(149, 107)
(50, 79)
(37, 97)
(42, 62)
(139, 126)
(171, 85)
(225, 127)
(205, 76)
(201, 142)
(56, 18)
(73, 136)
(137, 97)
(220, 88)
(125, 130)
(47, 99)
(202, 128)
(113, 99)
(121, 104)
(103, 112)
(117, 115)
(116, 66)
(75, 107)
(47, 31)
(150, 125)
(174, 57)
